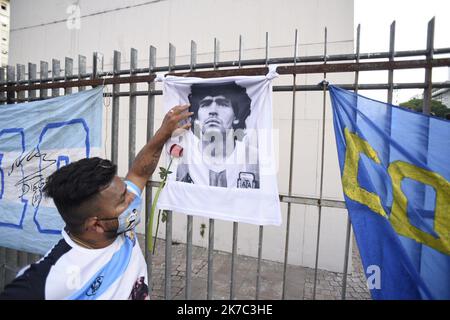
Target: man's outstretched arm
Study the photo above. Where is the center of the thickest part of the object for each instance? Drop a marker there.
(147, 159)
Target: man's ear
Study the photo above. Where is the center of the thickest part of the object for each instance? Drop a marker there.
(93, 224)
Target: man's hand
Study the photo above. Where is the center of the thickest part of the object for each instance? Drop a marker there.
(171, 122)
(147, 159)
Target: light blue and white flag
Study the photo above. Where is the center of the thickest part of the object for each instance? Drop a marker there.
(37, 138)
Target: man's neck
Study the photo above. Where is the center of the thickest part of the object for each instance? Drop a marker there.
(90, 242)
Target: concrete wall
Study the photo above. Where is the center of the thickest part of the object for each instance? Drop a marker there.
(39, 31)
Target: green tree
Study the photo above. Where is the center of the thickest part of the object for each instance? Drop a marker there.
(437, 108)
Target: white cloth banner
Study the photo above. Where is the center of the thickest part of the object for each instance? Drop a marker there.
(227, 170)
(37, 138)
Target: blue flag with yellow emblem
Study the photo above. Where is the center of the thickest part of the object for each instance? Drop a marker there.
(395, 168)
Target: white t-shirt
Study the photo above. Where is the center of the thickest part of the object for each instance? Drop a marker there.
(243, 185)
(69, 271)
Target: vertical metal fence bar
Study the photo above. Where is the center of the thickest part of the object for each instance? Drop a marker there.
(168, 255)
(235, 224)
(291, 167)
(233, 260)
(261, 228)
(193, 62)
(148, 189)
(210, 280)
(132, 113)
(56, 70)
(216, 52)
(97, 64)
(32, 74)
(428, 70)
(258, 266)
(209, 287)
(43, 70)
(348, 222)
(168, 258)
(22, 255)
(188, 287)
(81, 70)
(391, 58)
(11, 255)
(321, 167)
(68, 71)
(267, 48)
(115, 110)
(10, 77)
(20, 76)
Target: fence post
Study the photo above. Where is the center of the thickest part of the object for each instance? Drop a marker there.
(391, 58)
(132, 110)
(115, 110)
(97, 64)
(43, 94)
(168, 254)
(429, 70)
(10, 78)
(32, 73)
(235, 224)
(190, 220)
(22, 259)
(210, 280)
(56, 71)
(20, 77)
(261, 228)
(291, 167)
(148, 188)
(68, 72)
(81, 70)
(11, 255)
(322, 163)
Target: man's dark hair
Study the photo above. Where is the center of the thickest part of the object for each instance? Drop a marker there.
(237, 94)
(76, 183)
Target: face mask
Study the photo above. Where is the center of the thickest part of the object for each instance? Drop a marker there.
(131, 216)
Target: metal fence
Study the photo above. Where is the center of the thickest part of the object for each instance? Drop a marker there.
(15, 87)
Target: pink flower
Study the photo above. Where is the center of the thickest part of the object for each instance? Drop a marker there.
(176, 151)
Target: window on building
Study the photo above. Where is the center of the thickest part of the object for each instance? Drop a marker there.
(4, 6)
(4, 25)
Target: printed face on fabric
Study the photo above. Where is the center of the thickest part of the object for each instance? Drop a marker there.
(227, 155)
(215, 113)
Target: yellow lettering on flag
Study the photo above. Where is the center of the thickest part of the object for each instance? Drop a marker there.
(356, 146)
(400, 170)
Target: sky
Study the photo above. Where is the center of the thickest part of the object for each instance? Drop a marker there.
(412, 17)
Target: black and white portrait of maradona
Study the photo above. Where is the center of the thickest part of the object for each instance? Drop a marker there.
(220, 150)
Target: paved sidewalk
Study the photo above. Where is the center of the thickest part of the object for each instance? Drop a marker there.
(299, 283)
